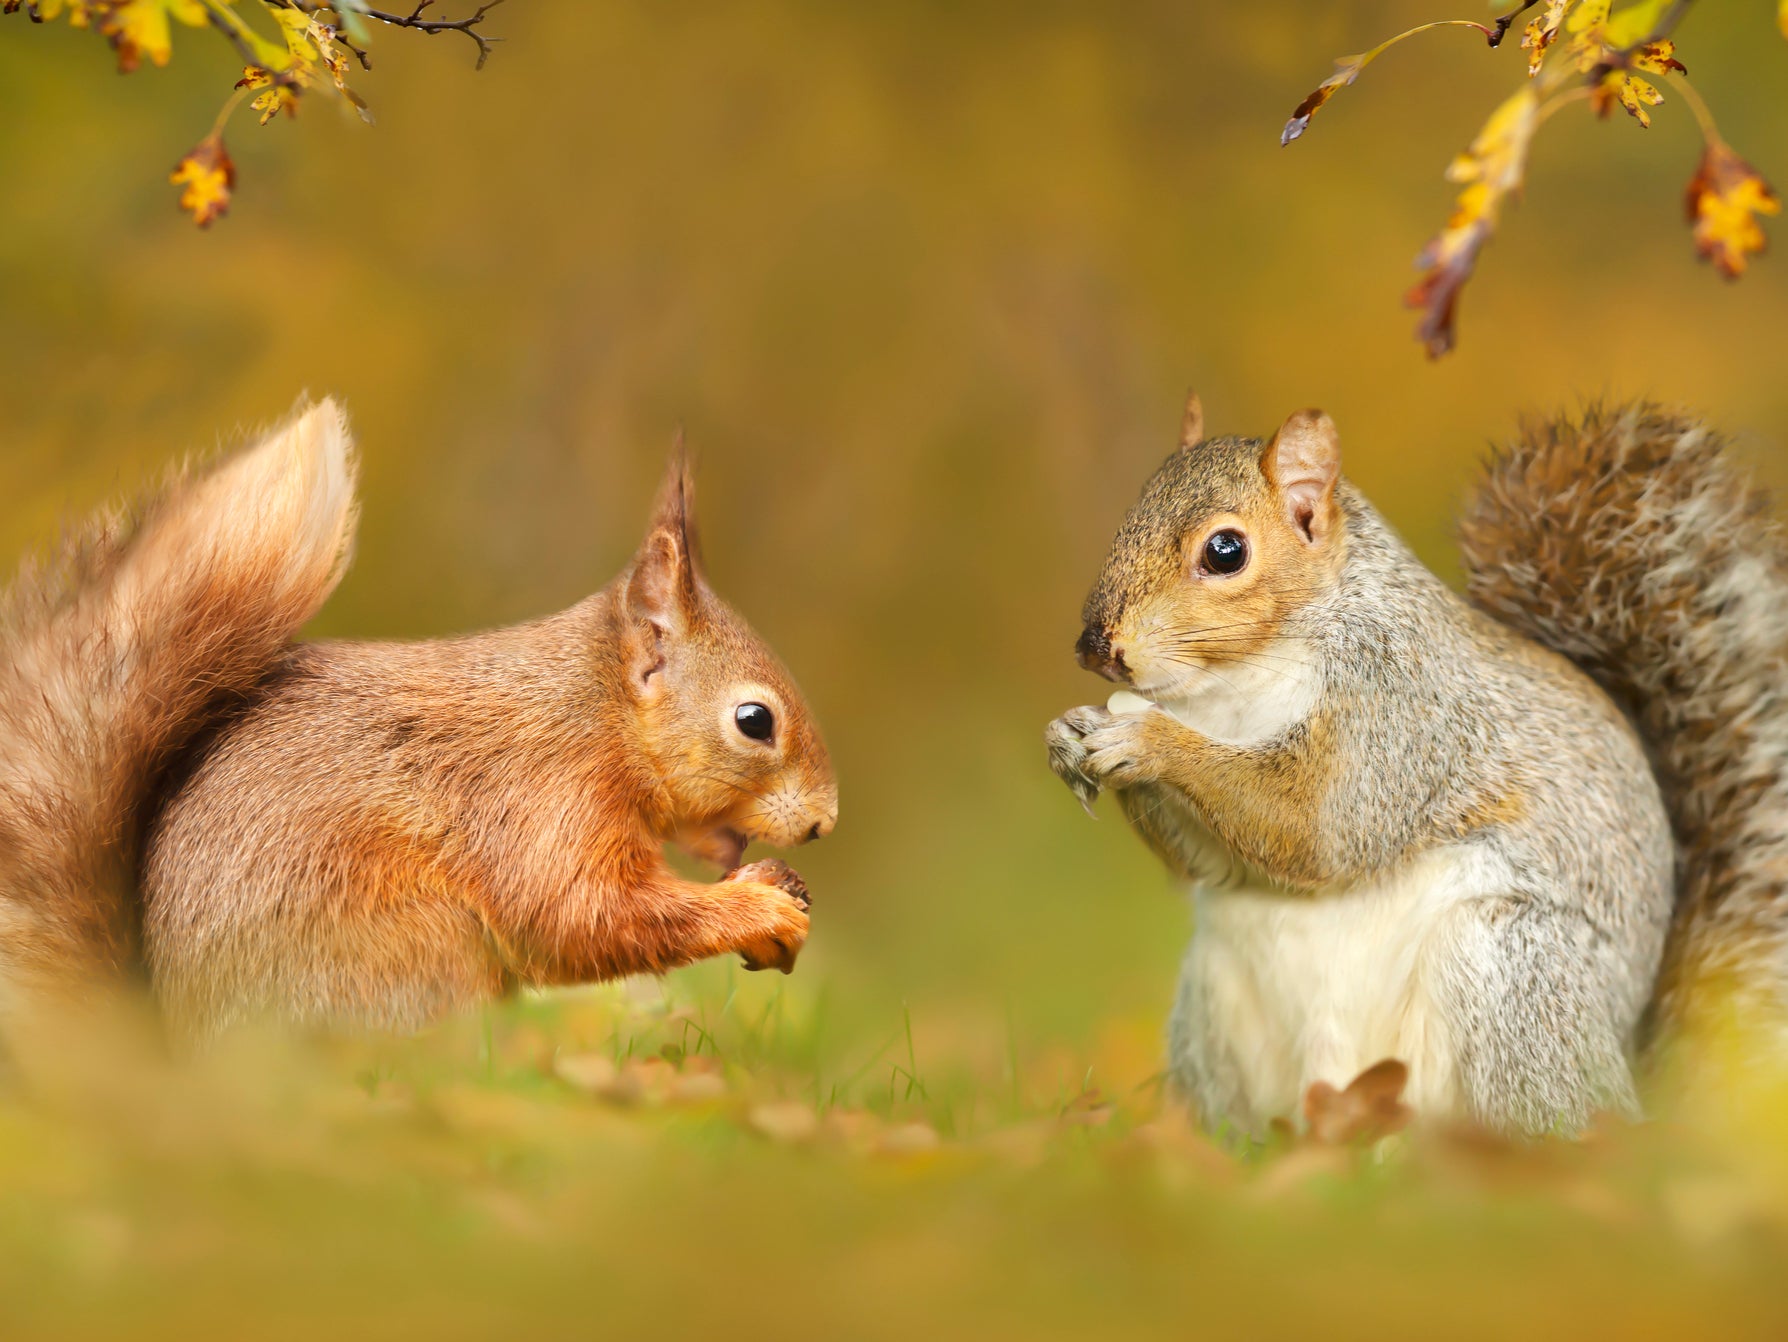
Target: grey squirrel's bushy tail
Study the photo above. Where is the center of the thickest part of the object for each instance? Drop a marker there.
(115, 651)
(1630, 542)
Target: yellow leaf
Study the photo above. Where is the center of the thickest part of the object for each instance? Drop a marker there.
(1541, 33)
(139, 28)
(1630, 91)
(1725, 200)
(207, 175)
(1588, 15)
(322, 36)
(273, 100)
(295, 27)
(44, 11)
(1658, 58)
(1491, 169)
(1782, 16)
(1634, 23)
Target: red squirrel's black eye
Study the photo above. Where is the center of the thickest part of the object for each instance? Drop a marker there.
(1225, 552)
(756, 721)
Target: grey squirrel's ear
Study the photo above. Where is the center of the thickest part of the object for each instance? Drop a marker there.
(1192, 423)
(1302, 464)
(665, 585)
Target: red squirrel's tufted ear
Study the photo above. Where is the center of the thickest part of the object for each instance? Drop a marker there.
(1192, 423)
(664, 587)
(1302, 464)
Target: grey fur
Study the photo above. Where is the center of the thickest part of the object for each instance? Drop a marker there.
(1436, 726)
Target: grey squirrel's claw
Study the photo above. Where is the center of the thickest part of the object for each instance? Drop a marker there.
(1067, 757)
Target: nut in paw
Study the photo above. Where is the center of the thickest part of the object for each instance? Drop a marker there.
(774, 871)
(782, 898)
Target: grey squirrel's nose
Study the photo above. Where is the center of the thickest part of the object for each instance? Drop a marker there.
(1096, 654)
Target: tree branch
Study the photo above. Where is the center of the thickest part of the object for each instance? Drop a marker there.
(1501, 27)
(249, 57)
(469, 26)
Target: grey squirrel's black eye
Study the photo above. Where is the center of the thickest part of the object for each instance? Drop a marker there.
(756, 721)
(1225, 552)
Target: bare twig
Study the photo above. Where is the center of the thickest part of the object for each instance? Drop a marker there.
(235, 38)
(359, 55)
(1501, 27)
(468, 26)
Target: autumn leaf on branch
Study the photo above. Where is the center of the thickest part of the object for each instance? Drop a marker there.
(290, 50)
(1618, 81)
(1725, 198)
(1492, 170)
(1609, 53)
(206, 176)
(1541, 33)
(1347, 69)
(142, 28)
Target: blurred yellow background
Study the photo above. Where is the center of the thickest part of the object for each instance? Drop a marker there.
(926, 284)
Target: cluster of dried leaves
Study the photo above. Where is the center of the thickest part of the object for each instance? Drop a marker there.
(290, 49)
(1607, 55)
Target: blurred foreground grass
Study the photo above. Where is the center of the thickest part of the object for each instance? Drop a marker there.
(718, 1157)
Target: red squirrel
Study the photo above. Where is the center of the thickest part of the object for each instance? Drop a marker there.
(373, 834)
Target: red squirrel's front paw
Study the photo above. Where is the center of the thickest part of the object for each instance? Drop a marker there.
(777, 925)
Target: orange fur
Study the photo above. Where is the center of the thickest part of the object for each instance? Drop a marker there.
(374, 834)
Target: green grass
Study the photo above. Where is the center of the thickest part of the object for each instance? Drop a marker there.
(717, 1156)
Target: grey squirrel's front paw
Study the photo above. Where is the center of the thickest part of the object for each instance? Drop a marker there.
(1066, 740)
(1118, 751)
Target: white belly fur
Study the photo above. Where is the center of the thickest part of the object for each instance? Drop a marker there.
(1317, 987)
(1298, 988)
(1251, 699)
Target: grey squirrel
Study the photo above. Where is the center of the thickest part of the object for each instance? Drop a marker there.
(375, 833)
(1518, 843)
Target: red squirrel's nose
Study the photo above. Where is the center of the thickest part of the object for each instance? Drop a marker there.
(822, 826)
(1096, 654)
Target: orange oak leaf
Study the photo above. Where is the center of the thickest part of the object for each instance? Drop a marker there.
(1725, 200)
(1491, 170)
(206, 176)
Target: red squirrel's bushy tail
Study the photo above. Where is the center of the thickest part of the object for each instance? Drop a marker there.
(115, 651)
(1630, 542)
